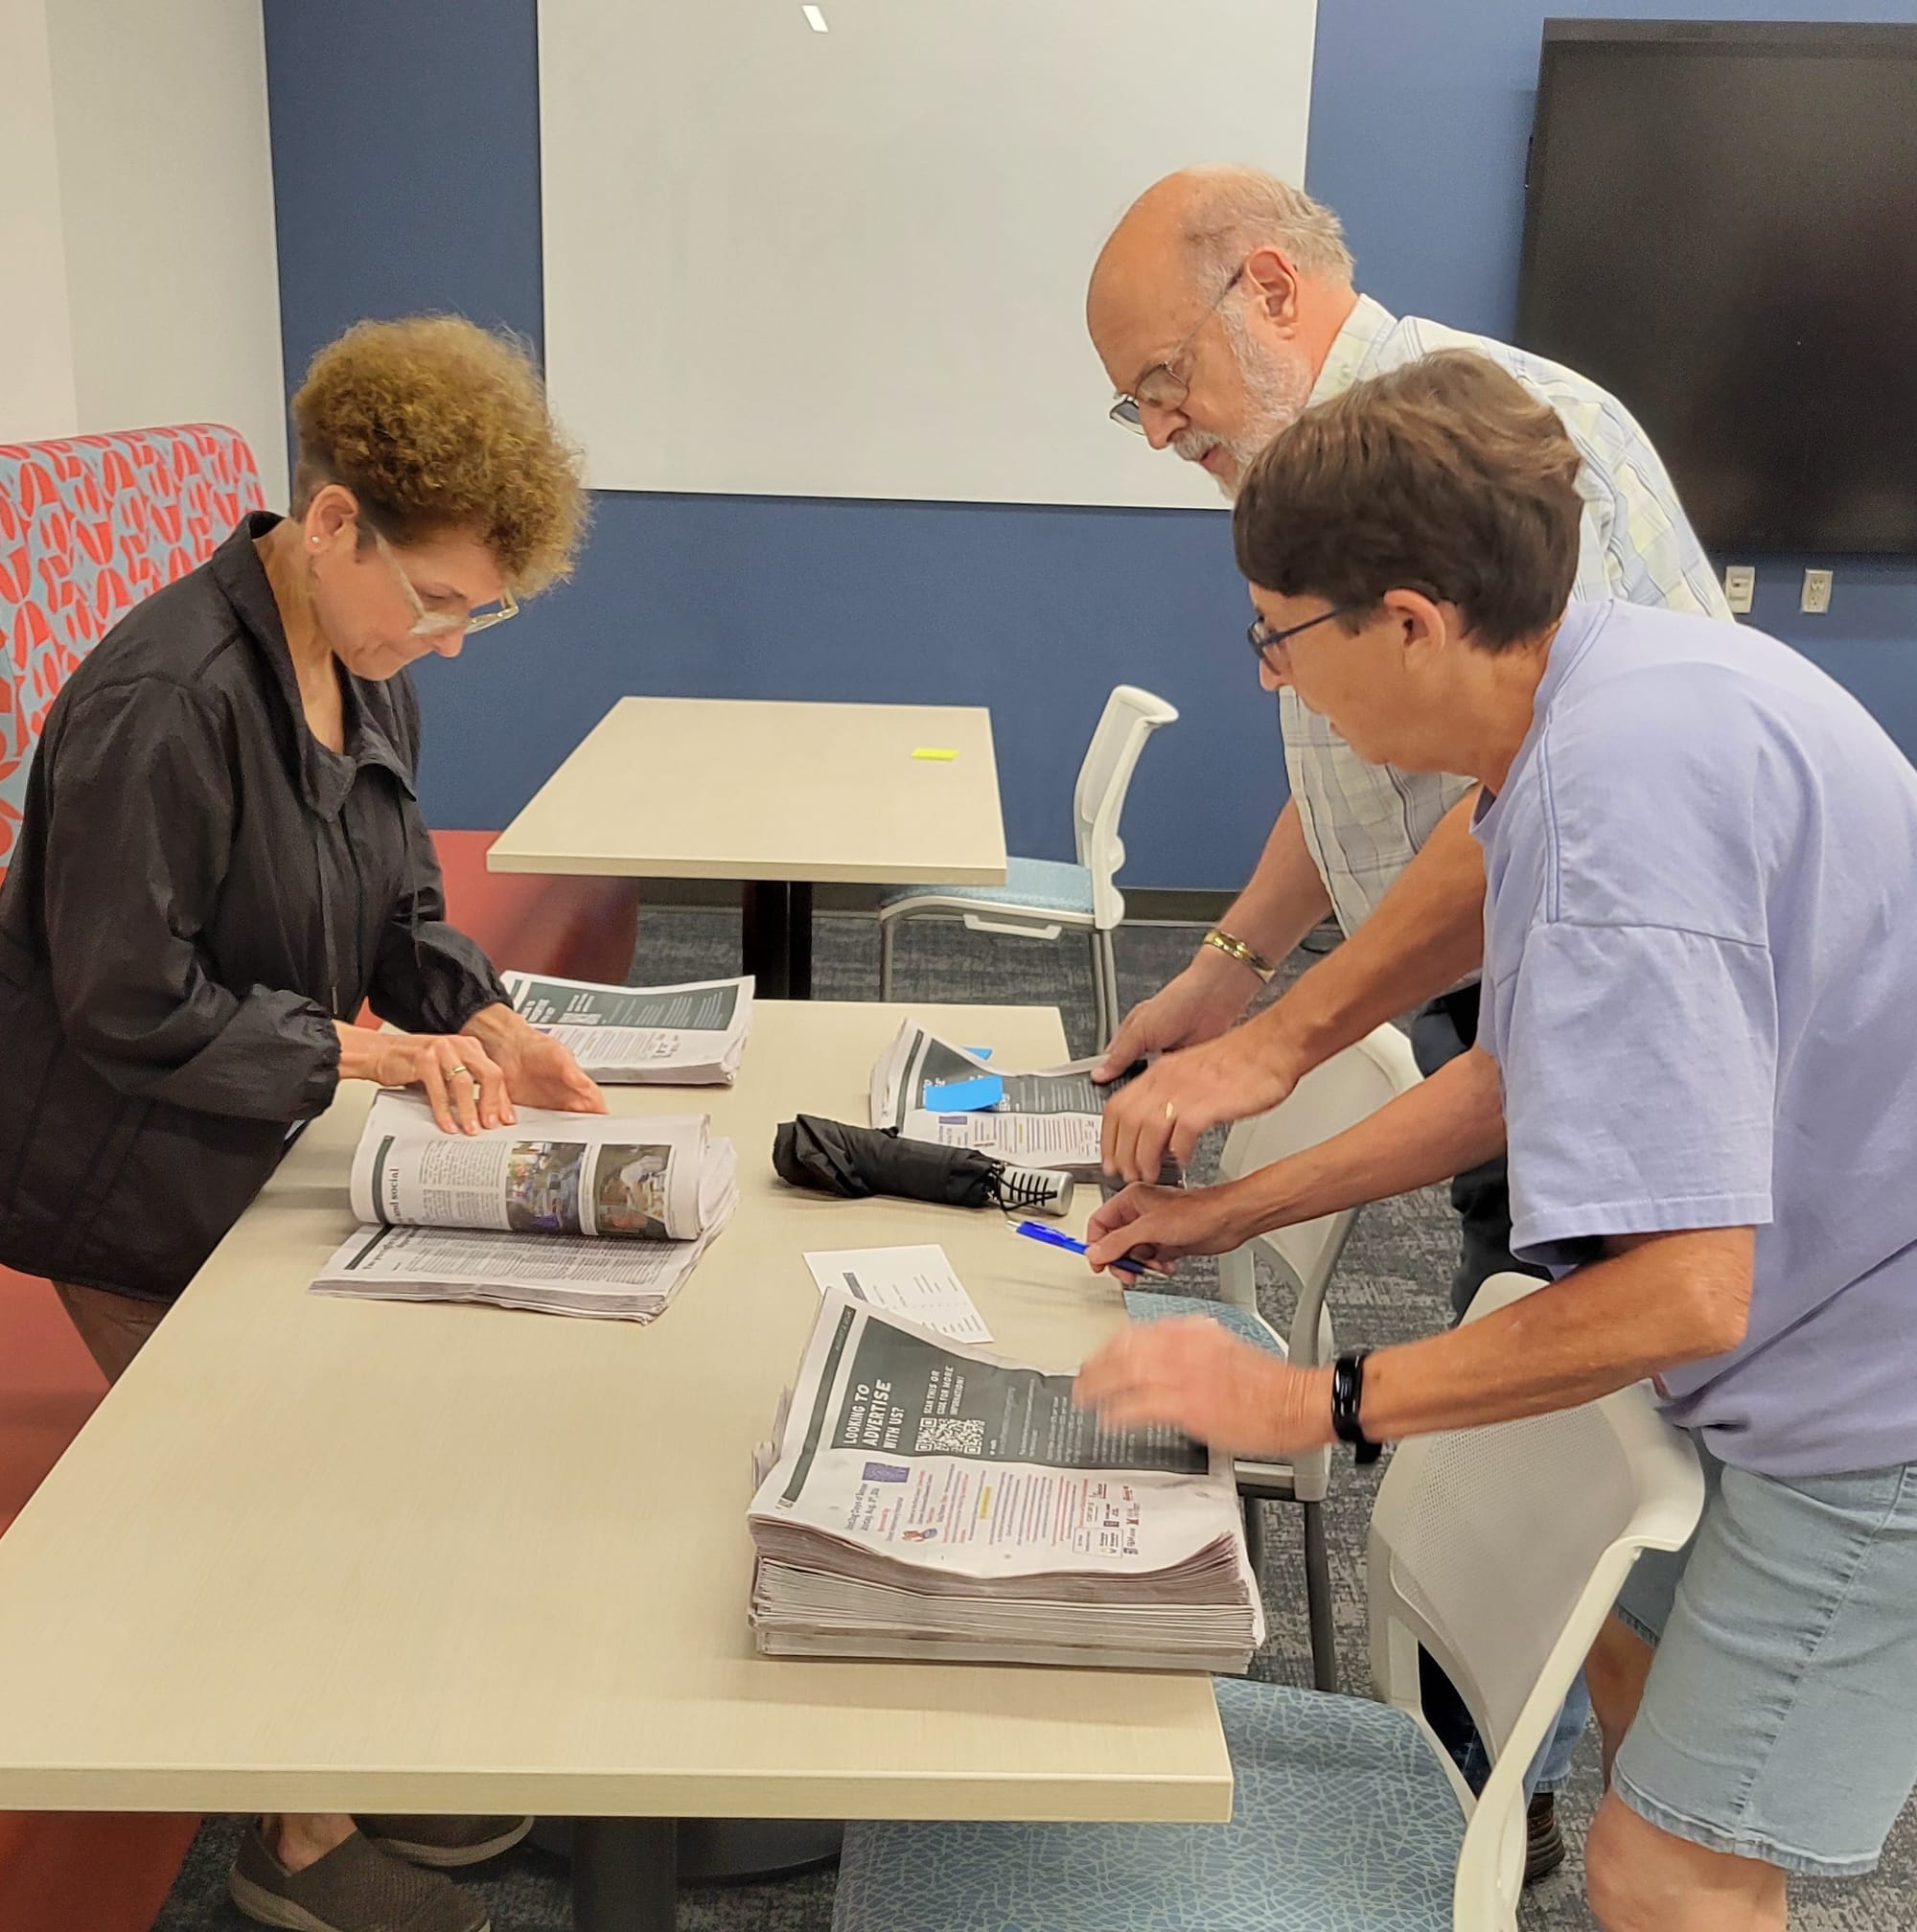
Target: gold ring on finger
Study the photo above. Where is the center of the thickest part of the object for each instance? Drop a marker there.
(453, 1072)
(1171, 1112)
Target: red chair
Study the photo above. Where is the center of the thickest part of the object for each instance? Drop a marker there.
(78, 1871)
(580, 928)
(66, 1871)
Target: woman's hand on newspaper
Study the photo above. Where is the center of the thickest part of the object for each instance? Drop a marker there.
(462, 1083)
(1192, 1373)
(539, 1072)
(1155, 1227)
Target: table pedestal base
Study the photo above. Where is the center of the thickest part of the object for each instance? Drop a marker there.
(777, 935)
(626, 1872)
(625, 1875)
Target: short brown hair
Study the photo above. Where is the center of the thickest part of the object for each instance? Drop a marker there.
(437, 426)
(1446, 476)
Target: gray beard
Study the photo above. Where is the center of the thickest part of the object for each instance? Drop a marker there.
(1277, 387)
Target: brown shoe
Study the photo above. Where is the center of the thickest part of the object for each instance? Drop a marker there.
(1544, 1840)
(444, 1843)
(353, 1889)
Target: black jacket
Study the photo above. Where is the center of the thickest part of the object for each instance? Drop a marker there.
(199, 887)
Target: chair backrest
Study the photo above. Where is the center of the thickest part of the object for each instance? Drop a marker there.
(1337, 1095)
(1501, 1551)
(1129, 718)
(90, 525)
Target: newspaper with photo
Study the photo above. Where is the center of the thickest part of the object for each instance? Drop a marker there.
(924, 1499)
(572, 1214)
(631, 1036)
(1051, 1118)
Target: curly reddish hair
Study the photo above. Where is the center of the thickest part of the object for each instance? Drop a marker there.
(437, 426)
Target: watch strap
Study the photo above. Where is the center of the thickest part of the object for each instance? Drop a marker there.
(1348, 1394)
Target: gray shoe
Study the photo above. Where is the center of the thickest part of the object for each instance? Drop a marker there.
(444, 1843)
(354, 1888)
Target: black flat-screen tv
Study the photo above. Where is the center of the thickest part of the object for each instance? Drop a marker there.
(1721, 227)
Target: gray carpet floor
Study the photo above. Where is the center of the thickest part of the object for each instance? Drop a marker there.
(1391, 1286)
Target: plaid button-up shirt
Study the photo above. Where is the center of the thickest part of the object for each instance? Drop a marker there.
(1363, 823)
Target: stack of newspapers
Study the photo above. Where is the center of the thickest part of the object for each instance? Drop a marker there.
(1053, 1119)
(928, 1500)
(642, 1036)
(563, 1213)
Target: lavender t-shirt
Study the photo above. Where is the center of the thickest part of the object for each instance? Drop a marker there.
(1701, 956)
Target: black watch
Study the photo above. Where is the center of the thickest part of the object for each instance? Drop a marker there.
(1348, 1394)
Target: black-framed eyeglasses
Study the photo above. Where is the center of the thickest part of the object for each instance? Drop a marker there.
(1162, 386)
(1265, 640)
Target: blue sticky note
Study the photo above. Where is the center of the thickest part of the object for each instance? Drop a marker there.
(966, 1097)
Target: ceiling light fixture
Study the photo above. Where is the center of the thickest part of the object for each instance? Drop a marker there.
(814, 19)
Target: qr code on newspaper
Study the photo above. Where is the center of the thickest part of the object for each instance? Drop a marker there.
(943, 1435)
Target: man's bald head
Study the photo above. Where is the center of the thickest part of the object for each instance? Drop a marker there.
(1199, 223)
(1240, 280)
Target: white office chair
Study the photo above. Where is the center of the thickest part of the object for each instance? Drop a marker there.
(1331, 1097)
(1349, 1811)
(1042, 897)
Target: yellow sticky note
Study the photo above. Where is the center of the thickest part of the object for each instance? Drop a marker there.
(934, 751)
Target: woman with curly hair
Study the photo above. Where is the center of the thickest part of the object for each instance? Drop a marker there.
(222, 858)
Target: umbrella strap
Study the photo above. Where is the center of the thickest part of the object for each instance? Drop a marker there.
(1018, 1189)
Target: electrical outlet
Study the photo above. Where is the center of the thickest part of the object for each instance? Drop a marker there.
(1817, 592)
(1740, 587)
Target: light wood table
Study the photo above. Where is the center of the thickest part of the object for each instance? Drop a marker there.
(779, 795)
(326, 1555)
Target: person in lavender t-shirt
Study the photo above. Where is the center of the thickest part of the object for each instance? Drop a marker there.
(1701, 1050)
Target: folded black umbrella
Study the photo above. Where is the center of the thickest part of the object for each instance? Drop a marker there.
(832, 1158)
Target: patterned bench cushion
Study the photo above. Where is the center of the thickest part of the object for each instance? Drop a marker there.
(89, 527)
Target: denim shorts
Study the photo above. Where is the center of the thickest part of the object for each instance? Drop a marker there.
(1780, 1718)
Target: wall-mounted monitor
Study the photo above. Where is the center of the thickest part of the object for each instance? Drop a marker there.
(1721, 227)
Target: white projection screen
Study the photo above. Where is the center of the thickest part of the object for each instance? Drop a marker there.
(853, 262)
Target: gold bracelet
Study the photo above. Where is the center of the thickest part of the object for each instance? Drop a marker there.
(1237, 948)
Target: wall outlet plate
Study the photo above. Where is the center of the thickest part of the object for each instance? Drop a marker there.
(1740, 587)
(1817, 592)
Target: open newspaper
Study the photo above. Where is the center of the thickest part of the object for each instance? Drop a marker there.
(928, 1500)
(564, 1213)
(1047, 1120)
(638, 1036)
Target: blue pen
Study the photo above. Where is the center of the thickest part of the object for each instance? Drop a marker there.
(1054, 1237)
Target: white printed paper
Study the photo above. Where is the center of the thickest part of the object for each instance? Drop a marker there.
(918, 1283)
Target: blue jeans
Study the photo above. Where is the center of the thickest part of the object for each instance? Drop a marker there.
(1551, 1769)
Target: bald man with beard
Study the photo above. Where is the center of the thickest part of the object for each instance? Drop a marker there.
(1222, 307)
